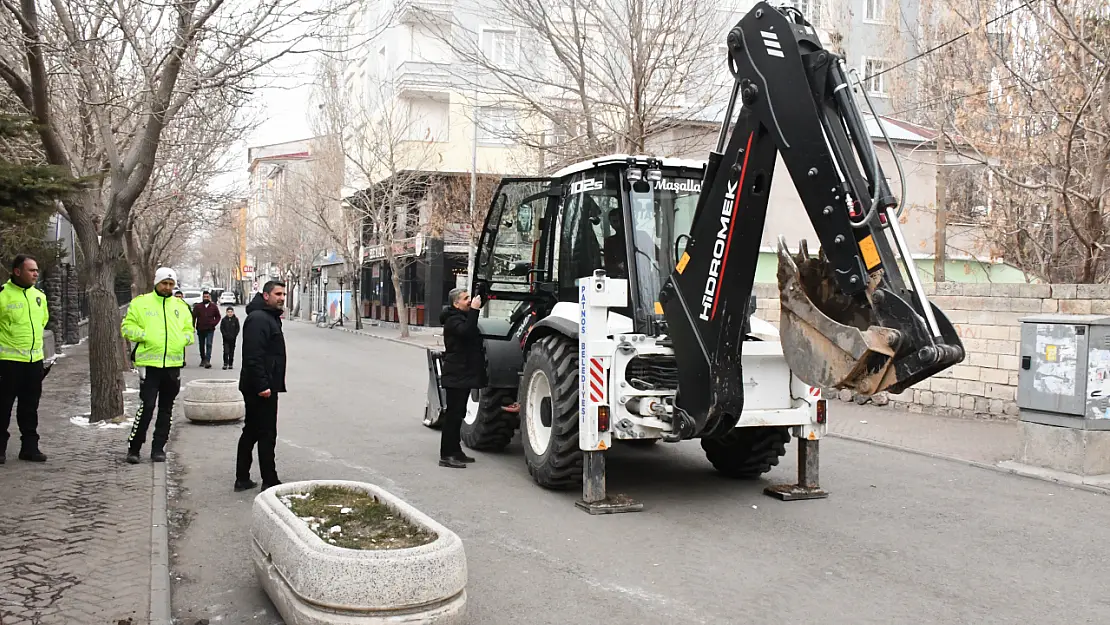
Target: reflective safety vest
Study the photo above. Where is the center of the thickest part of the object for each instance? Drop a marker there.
(163, 328)
(23, 316)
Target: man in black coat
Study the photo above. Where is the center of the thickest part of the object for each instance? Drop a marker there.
(260, 381)
(464, 368)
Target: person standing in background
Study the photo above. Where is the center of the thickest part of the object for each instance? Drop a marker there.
(206, 316)
(229, 329)
(23, 316)
(162, 327)
(261, 379)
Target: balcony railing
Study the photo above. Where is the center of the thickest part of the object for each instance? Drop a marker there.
(416, 11)
(420, 78)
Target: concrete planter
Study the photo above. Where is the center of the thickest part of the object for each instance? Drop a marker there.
(213, 401)
(312, 582)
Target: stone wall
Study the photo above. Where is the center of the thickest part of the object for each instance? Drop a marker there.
(987, 319)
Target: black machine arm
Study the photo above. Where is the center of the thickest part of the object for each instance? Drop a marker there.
(853, 317)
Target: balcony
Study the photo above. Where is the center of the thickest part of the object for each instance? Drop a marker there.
(420, 11)
(420, 79)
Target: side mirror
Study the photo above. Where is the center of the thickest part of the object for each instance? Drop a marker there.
(519, 268)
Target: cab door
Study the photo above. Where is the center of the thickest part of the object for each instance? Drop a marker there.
(511, 262)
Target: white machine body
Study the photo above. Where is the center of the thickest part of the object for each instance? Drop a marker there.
(611, 357)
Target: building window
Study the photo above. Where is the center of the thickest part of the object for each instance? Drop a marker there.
(495, 125)
(873, 78)
(811, 9)
(501, 47)
(874, 10)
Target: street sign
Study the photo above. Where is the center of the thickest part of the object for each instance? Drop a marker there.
(248, 268)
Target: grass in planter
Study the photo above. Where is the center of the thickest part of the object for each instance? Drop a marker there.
(355, 520)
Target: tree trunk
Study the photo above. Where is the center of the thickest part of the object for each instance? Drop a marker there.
(356, 299)
(107, 355)
(941, 236)
(402, 310)
(142, 277)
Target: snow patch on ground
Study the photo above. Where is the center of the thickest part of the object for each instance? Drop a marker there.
(83, 421)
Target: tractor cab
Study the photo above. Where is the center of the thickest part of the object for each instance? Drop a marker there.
(629, 216)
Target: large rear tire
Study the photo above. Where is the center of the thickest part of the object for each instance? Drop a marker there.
(549, 414)
(486, 426)
(747, 453)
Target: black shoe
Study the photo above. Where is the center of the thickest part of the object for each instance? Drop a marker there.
(266, 485)
(225, 367)
(463, 457)
(133, 457)
(32, 456)
(452, 463)
(3, 459)
(242, 485)
(158, 456)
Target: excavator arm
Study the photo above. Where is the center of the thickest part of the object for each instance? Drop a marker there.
(853, 317)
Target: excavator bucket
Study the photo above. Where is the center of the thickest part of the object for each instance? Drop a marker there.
(830, 340)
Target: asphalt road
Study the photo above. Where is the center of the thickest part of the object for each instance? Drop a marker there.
(903, 538)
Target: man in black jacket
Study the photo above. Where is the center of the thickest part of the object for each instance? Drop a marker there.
(262, 378)
(464, 368)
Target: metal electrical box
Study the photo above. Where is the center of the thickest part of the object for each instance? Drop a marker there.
(1064, 371)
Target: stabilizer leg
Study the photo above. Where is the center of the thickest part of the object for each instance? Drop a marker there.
(808, 486)
(594, 499)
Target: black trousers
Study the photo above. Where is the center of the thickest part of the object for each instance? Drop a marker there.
(22, 381)
(161, 386)
(229, 352)
(259, 427)
(449, 441)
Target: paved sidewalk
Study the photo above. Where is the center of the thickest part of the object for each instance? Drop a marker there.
(76, 546)
(975, 440)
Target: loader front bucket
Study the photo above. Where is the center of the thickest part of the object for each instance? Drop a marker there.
(848, 352)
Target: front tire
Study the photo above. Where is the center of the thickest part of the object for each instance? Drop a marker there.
(549, 414)
(486, 426)
(747, 453)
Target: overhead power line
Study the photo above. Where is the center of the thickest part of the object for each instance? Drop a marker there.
(953, 40)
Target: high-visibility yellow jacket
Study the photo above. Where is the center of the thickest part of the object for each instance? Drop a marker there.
(162, 327)
(23, 316)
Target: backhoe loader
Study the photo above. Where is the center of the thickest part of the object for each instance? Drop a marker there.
(618, 290)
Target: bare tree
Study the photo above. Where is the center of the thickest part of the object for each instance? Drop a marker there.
(1028, 101)
(575, 78)
(217, 243)
(105, 79)
(179, 199)
(450, 215)
(313, 200)
(386, 172)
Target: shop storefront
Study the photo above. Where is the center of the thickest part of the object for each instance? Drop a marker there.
(425, 281)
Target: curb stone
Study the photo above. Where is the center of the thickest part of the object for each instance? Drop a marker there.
(407, 342)
(160, 613)
(997, 468)
(410, 343)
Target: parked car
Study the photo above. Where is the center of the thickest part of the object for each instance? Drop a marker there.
(227, 298)
(192, 296)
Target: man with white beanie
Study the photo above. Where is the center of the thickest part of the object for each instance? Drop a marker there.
(162, 327)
